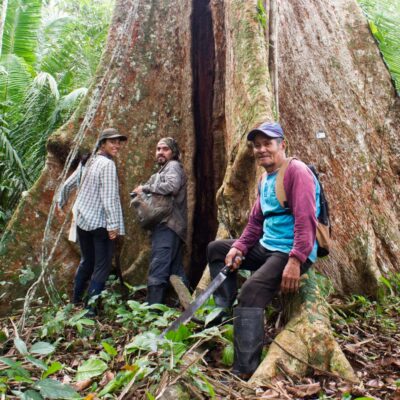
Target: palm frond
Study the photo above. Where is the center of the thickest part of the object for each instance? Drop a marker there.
(45, 79)
(11, 157)
(384, 17)
(21, 29)
(69, 101)
(15, 78)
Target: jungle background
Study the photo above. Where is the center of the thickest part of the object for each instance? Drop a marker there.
(49, 56)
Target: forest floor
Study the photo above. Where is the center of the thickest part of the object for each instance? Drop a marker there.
(61, 354)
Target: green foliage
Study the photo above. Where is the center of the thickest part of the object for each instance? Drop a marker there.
(133, 351)
(262, 14)
(50, 53)
(35, 388)
(382, 310)
(23, 20)
(91, 368)
(384, 17)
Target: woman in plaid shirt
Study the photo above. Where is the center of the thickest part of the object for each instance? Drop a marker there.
(99, 216)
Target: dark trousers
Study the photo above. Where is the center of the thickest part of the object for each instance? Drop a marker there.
(263, 284)
(95, 265)
(166, 256)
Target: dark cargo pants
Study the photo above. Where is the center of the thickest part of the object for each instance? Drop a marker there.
(166, 256)
(263, 284)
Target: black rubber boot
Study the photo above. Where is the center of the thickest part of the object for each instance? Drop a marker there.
(156, 294)
(95, 288)
(248, 339)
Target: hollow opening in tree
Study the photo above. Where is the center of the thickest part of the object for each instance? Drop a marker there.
(209, 157)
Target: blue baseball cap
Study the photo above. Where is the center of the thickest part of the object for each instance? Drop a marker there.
(270, 129)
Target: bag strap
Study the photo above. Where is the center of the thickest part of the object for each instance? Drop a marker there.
(264, 174)
(279, 188)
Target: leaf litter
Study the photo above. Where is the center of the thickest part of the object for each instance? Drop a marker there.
(114, 356)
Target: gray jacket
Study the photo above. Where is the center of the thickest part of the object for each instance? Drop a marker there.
(171, 180)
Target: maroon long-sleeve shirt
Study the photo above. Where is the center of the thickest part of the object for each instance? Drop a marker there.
(299, 187)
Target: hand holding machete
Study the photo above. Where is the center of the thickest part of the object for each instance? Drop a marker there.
(233, 259)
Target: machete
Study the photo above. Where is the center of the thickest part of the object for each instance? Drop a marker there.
(196, 304)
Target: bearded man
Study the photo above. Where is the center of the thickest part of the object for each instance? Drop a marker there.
(168, 237)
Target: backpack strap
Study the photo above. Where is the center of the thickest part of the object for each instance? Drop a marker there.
(264, 174)
(279, 188)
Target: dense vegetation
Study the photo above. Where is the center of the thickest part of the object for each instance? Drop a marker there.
(61, 354)
(49, 55)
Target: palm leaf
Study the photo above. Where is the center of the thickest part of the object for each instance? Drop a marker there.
(10, 156)
(384, 21)
(69, 101)
(21, 29)
(15, 78)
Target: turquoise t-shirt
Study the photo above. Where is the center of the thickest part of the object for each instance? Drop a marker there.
(279, 229)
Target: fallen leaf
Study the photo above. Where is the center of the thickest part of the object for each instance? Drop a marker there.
(390, 361)
(270, 394)
(82, 385)
(375, 383)
(107, 377)
(304, 390)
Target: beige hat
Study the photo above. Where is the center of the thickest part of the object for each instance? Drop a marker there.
(111, 133)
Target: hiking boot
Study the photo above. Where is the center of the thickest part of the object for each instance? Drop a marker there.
(156, 294)
(91, 312)
(248, 335)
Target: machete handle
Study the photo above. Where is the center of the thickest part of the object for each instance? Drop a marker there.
(226, 270)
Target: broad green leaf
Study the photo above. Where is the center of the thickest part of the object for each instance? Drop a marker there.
(208, 333)
(55, 367)
(21, 346)
(146, 341)
(28, 395)
(91, 368)
(179, 335)
(87, 321)
(109, 349)
(213, 314)
(38, 363)
(15, 366)
(43, 348)
(51, 389)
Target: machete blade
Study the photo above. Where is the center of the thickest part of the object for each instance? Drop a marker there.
(196, 304)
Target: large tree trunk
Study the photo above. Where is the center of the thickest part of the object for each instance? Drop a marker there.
(200, 73)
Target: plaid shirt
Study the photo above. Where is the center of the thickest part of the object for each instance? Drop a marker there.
(98, 204)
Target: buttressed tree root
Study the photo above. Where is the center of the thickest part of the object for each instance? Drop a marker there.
(307, 341)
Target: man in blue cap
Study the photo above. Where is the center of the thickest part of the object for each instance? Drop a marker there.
(278, 244)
